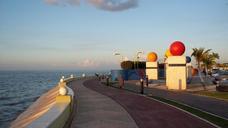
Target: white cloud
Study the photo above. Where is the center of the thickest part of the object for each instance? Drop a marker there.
(87, 63)
(62, 2)
(114, 5)
(108, 5)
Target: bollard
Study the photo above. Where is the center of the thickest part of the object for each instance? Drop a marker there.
(142, 87)
(147, 81)
(121, 82)
(107, 81)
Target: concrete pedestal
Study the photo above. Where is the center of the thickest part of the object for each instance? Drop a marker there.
(152, 70)
(176, 73)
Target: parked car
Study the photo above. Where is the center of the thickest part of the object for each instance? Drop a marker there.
(221, 78)
(215, 72)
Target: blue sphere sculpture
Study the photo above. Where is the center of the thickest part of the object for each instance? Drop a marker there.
(188, 59)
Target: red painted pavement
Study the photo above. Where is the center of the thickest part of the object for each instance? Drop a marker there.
(148, 113)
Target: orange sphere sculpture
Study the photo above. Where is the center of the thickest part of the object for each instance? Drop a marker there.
(168, 53)
(152, 57)
(194, 71)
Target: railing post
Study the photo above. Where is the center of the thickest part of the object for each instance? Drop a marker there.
(61, 82)
(142, 87)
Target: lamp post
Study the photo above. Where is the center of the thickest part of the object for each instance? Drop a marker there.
(142, 86)
(121, 56)
(138, 57)
(118, 54)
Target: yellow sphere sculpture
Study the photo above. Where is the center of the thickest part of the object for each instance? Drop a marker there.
(152, 57)
(168, 53)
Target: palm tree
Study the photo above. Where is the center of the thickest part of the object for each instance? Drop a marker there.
(209, 60)
(199, 54)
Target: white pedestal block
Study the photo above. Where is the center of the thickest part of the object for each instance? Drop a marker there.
(152, 70)
(176, 73)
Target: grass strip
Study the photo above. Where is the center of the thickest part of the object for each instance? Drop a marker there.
(220, 95)
(211, 118)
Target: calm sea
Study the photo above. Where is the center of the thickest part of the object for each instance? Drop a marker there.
(19, 89)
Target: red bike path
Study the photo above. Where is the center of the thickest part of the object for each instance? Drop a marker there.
(146, 112)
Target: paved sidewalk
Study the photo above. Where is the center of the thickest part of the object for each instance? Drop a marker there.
(147, 112)
(98, 111)
(212, 105)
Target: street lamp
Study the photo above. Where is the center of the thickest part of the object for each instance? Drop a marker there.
(121, 56)
(138, 56)
(118, 54)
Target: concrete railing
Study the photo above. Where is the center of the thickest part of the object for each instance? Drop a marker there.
(51, 110)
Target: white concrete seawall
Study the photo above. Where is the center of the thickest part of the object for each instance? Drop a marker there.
(51, 110)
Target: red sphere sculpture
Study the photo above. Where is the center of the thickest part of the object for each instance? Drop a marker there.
(177, 48)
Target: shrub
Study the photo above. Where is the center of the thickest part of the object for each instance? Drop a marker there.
(125, 65)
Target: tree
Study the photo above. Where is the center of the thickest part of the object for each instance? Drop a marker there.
(209, 60)
(199, 54)
(126, 65)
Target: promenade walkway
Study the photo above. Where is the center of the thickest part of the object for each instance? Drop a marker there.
(94, 110)
(214, 106)
(100, 106)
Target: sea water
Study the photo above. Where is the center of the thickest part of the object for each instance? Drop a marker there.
(19, 89)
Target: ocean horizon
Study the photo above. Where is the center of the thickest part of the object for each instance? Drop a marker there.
(19, 89)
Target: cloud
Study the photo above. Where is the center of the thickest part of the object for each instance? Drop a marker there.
(62, 2)
(107, 5)
(93, 64)
(52, 2)
(114, 5)
(87, 63)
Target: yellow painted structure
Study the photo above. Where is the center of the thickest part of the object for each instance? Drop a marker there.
(176, 73)
(152, 70)
(63, 99)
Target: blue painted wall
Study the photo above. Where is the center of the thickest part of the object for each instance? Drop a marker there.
(135, 74)
(128, 74)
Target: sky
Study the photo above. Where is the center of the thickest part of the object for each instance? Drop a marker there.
(84, 34)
